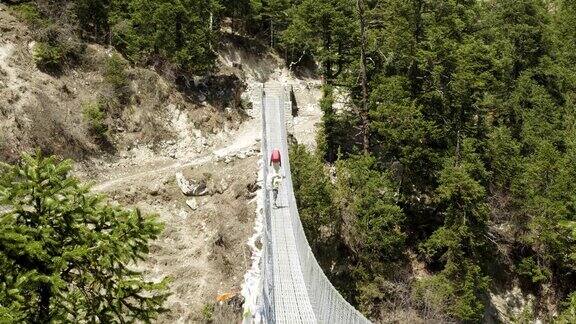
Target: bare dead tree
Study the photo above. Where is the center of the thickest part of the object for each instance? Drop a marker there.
(364, 109)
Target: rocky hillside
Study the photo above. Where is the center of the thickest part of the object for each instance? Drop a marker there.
(101, 104)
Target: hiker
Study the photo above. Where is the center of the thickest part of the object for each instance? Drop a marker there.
(275, 160)
(276, 182)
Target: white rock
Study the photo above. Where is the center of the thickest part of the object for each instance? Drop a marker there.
(192, 203)
(31, 46)
(183, 214)
(224, 185)
(184, 184)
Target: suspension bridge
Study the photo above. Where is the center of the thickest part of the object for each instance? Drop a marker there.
(294, 289)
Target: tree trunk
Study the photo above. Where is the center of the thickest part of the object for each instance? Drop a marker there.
(364, 108)
(414, 71)
(271, 33)
(45, 293)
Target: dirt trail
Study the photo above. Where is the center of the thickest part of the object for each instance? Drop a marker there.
(241, 142)
(151, 169)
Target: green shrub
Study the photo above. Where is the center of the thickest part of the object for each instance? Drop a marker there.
(95, 116)
(434, 293)
(29, 12)
(56, 47)
(458, 291)
(48, 57)
(208, 312)
(568, 315)
(530, 269)
(115, 75)
(526, 315)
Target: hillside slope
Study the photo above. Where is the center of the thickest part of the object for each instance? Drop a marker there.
(29, 98)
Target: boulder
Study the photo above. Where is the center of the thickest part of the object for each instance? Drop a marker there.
(191, 188)
(154, 190)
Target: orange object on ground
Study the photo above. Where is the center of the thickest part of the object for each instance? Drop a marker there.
(225, 297)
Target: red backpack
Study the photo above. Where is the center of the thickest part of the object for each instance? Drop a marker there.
(275, 158)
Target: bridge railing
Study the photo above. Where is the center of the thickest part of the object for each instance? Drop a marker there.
(267, 257)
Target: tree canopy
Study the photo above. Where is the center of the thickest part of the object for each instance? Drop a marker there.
(471, 121)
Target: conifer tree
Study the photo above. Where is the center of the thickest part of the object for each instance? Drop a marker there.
(325, 29)
(66, 255)
(372, 224)
(180, 32)
(472, 111)
(314, 196)
(270, 18)
(460, 242)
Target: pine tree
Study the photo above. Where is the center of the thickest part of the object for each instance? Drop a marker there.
(237, 10)
(460, 242)
(471, 109)
(372, 225)
(93, 17)
(314, 194)
(327, 30)
(180, 32)
(66, 255)
(270, 18)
